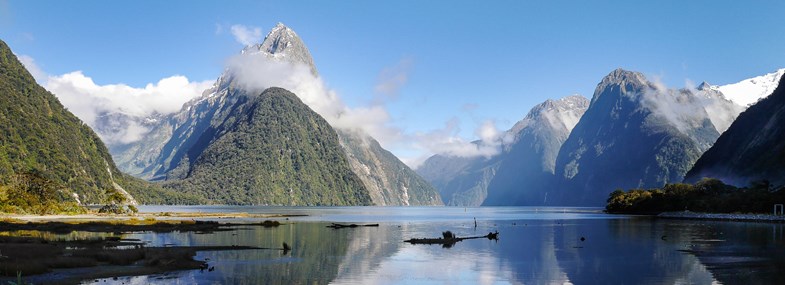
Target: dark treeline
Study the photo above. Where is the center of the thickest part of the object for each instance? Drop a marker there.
(707, 195)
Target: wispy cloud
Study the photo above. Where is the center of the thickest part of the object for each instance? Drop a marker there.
(687, 108)
(36, 71)
(447, 141)
(391, 79)
(246, 35)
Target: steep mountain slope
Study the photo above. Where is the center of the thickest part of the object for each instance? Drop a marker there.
(521, 171)
(525, 174)
(389, 181)
(634, 134)
(172, 142)
(39, 138)
(751, 149)
(272, 150)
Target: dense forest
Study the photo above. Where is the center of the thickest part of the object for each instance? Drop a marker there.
(707, 195)
(271, 149)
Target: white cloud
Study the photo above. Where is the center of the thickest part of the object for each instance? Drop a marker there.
(256, 72)
(89, 101)
(487, 131)
(246, 35)
(29, 63)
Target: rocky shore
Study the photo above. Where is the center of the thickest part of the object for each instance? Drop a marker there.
(724, 217)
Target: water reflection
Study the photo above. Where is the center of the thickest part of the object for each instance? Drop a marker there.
(533, 248)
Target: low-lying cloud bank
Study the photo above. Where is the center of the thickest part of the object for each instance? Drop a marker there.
(90, 101)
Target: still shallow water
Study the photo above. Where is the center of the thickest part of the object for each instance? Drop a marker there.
(535, 246)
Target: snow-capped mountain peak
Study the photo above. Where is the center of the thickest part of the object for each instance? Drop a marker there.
(749, 91)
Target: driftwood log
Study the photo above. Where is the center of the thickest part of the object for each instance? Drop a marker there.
(449, 239)
(341, 226)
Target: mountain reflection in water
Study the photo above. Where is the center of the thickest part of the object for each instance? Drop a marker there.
(535, 246)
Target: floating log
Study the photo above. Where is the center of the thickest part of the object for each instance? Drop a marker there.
(341, 226)
(449, 239)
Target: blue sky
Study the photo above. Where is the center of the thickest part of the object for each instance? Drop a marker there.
(470, 62)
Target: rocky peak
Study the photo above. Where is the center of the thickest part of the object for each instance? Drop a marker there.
(619, 76)
(620, 82)
(282, 43)
(565, 111)
(704, 86)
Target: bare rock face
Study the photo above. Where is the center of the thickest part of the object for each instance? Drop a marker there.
(390, 182)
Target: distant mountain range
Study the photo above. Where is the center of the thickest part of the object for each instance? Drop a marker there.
(524, 166)
(633, 134)
(242, 143)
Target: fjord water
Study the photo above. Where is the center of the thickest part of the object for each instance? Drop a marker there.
(535, 246)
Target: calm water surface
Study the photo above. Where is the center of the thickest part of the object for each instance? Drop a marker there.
(535, 246)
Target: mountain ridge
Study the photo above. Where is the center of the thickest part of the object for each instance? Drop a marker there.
(44, 144)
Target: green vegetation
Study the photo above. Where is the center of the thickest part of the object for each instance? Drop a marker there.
(270, 150)
(30, 193)
(707, 195)
(152, 193)
(49, 159)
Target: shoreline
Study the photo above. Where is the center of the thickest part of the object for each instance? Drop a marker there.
(69, 261)
(160, 216)
(687, 215)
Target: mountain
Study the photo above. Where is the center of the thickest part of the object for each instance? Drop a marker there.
(749, 91)
(271, 149)
(46, 148)
(169, 145)
(461, 181)
(751, 149)
(635, 134)
(521, 171)
(283, 44)
(388, 180)
(529, 167)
